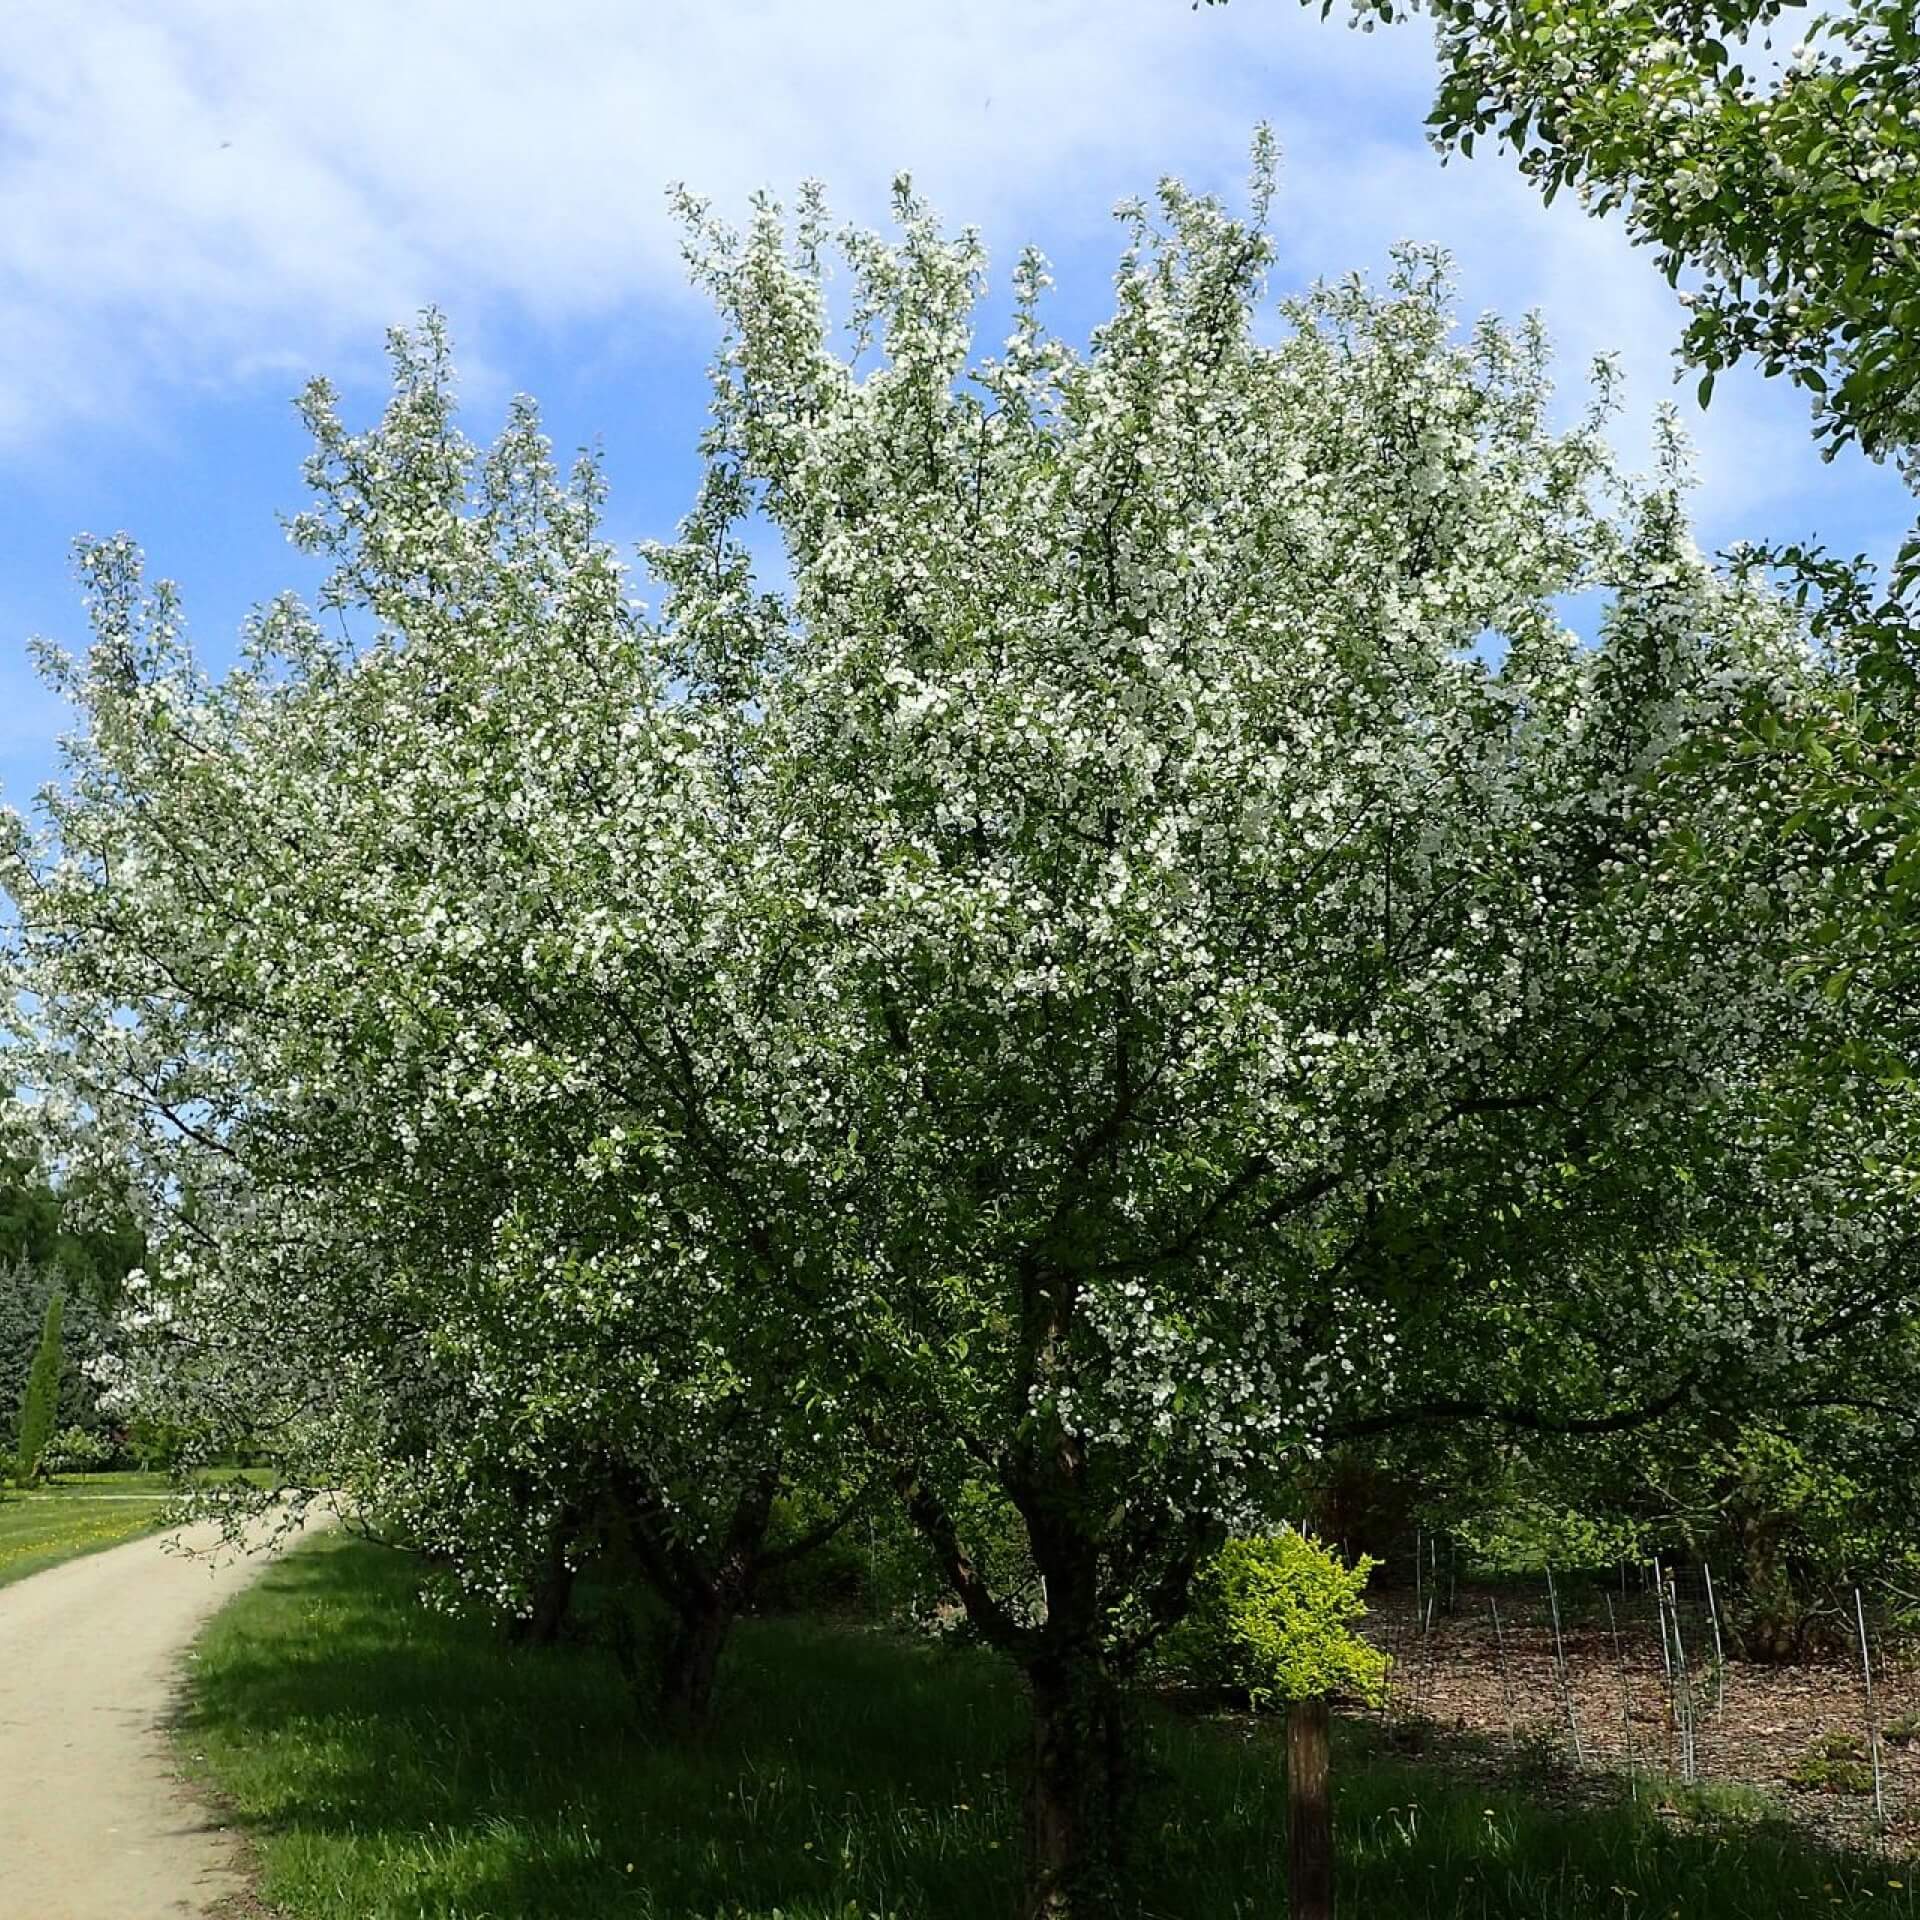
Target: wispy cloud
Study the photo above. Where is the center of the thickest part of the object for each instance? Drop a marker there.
(224, 193)
(195, 192)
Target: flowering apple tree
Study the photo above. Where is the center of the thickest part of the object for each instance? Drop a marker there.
(1146, 947)
(321, 951)
(1268, 985)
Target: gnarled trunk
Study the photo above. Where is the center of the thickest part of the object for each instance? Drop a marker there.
(1078, 1789)
(690, 1659)
(704, 1595)
(552, 1596)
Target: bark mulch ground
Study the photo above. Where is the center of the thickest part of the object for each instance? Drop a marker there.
(1603, 1704)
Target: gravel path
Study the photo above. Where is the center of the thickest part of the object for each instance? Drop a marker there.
(94, 1824)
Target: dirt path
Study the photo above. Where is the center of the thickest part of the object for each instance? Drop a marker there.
(94, 1824)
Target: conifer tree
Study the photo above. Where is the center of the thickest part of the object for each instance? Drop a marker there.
(41, 1399)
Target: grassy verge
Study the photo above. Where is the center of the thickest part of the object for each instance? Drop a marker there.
(75, 1514)
(106, 1486)
(39, 1530)
(392, 1762)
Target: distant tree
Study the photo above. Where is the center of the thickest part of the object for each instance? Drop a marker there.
(39, 1404)
(26, 1289)
(80, 1232)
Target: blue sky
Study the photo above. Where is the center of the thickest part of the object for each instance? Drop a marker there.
(204, 203)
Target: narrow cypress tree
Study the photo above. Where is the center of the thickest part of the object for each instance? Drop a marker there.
(40, 1400)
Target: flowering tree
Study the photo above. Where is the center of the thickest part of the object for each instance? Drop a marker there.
(1258, 1018)
(1150, 950)
(1788, 182)
(1794, 193)
(322, 951)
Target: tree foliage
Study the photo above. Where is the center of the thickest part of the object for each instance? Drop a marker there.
(1147, 949)
(1782, 185)
(1785, 187)
(79, 1232)
(26, 1291)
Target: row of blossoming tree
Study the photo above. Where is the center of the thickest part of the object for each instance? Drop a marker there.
(1137, 947)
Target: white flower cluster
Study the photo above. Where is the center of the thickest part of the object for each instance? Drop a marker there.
(1153, 949)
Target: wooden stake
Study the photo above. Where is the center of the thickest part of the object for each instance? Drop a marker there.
(1873, 1729)
(1426, 1663)
(1666, 1656)
(1309, 1811)
(1626, 1712)
(1689, 1759)
(1719, 1651)
(1660, 1606)
(1560, 1667)
(1500, 1654)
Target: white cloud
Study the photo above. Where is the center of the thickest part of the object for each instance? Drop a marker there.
(187, 189)
(220, 189)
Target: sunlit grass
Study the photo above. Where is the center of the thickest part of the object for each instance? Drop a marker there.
(115, 1485)
(392, 1762)
(39, 1530)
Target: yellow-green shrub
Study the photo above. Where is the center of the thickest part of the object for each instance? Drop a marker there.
(1273, 1618)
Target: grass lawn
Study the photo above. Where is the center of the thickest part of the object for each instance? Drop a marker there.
(81, 1513)
(69, 1518)
(68, 1486)
(393, 1762)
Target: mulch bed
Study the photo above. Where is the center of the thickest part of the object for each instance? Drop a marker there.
(1508, 1704)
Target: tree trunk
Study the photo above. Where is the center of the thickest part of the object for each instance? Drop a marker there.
(690, 1662)
(1309, 1812)
(704, 1595)
(552, 1595)
(1075, 1794)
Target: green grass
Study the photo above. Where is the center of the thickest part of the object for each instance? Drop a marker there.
(40, 1529)
(122, 1482)
(390, 1762)
(75, 1514)
(107, 1485)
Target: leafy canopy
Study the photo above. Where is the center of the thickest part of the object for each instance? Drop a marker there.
(1152, 947)
(1785, 185)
